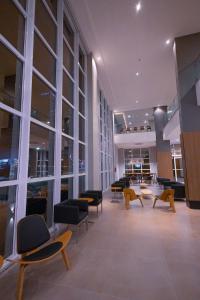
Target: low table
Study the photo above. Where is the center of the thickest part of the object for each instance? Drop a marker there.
(116, 190)
(146, 193)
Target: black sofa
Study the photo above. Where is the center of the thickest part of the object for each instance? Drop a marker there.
(97, 196)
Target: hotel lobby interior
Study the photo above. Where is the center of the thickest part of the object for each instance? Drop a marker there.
(99, 149)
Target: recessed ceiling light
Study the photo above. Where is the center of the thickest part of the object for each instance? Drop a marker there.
(129, 116)
(99, 59)
(146, 114)
(130, 123)
(136, 101)
(137, 73)
(145, 121)
(138, 6)
(167, 42)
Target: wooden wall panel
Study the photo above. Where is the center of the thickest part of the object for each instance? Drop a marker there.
(191, 160)
(164, 164)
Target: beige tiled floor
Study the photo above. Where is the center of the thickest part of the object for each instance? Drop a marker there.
(141, 254)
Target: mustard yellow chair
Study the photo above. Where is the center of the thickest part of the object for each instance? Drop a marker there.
(166, 196)
(1, 261)
(130, 195)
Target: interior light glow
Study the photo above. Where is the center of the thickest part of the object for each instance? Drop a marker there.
(168, 42)
(138, 6)
(137, 74)
(136, 101)
(129, 116)
(146, 114)
(99, 59)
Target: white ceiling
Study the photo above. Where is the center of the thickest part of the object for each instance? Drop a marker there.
(113, 30)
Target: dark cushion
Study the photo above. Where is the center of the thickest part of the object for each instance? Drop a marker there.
(45, 252)
(32, 232)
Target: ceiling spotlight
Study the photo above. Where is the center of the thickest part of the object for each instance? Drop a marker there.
(145, 121)
(130, 123)
(129, 116)
(99, 59)
(136, 101)
(146, 114)
(138, 6)
(168, 42)
(137, 73)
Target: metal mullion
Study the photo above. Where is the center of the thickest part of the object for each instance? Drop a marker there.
(10, 47)
(45, 43)
(67, 176)
(67, 136)
(9, 183)
(67, 101)
(37, 122)
(40, 179)
(10, 110)
(50, 12)
(21, 193)
(58, 114)
(81, 174)
(68, 45)
(82, 116)
(68, 74)
(20, 8)
(80, 67)
(82, 143)
(35, 71)
(83, 94)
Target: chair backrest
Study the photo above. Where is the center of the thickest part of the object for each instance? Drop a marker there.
(130, 194)
(32, 232)
(166, 194)
(1, 261)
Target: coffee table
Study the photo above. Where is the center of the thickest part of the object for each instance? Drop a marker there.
(146, 193)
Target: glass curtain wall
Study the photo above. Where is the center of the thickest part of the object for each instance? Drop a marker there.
(106, 142)
(43, 140)
(137, 161)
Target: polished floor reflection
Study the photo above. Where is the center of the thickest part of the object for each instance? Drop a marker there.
(140, 253)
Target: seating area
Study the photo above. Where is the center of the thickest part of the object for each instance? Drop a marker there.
(178, 187)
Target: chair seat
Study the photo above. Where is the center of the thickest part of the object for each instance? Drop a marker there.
(44, 253)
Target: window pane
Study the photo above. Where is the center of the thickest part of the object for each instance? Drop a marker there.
(68, 32)
(11, 72)
(66, 189)
(81, 81)
(81, 104)
(68, 59)
(43, 102)
(53, 6)
(7, 215)
(43, 61)
(45, 24)
(68, 88)
(67, 119)
(81, 158)
(81, 59)
(67, 156)
(41, 152)
(81, 184)
(81, 129)
(14, 31)
(9, 145)
(40, 200)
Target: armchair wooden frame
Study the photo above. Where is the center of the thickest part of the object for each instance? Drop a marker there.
(166, 196)
(1, 261)
(130, 195)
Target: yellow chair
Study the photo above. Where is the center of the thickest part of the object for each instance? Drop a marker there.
(1, 261)
(130, 195)
(166, 196)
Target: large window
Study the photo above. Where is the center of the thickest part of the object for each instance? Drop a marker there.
(42, 96)
(137, 161)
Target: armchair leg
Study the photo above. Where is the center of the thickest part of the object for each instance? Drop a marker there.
(20, 282)
(101, 206)
(141, 202)
(172, 205)
(154, 202)
(66, 259)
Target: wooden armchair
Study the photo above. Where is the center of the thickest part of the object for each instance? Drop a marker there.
(32, 238)
(130, 195)
(166, 196)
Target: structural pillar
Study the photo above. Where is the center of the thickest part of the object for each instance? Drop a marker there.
(187, 52)
(163, 149)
